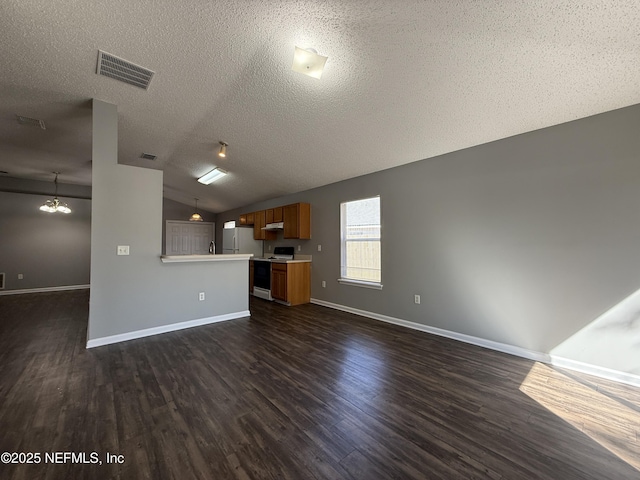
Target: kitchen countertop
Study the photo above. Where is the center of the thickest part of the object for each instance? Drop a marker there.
(296, 259)
(224, 257)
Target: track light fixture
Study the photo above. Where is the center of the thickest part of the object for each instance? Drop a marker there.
(223, 149)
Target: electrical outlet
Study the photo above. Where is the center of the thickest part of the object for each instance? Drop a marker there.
(416, 299)
(319, 248)
(324, 284)
(299, 247)
(20, 276)
(269, 247)
(201, 296)
(123, 249)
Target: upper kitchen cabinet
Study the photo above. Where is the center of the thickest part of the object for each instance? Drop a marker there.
(275, 215)
(260, 221)
(297, 221)
(247, 218)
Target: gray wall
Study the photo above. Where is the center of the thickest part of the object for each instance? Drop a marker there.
(28, 236)
(49, 250)
(523, 241)
(137, 292)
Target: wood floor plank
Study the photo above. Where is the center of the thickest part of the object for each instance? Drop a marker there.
(298, 393)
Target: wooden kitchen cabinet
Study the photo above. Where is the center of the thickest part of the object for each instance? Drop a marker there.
(275, 215)
(291, 282)
(260, 220)
(247, 218)
(279, 281)
(297, 221)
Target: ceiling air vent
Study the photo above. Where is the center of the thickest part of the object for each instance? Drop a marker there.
(32, 122)
(127, 72)
(148, 156)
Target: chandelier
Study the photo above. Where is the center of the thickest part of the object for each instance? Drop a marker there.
(52, 206)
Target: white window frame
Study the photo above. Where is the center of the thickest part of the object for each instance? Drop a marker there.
(343, 248)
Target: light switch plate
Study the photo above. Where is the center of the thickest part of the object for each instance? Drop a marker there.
(123, 249)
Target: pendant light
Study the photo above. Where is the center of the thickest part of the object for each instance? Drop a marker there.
(196, 217)
(52, 206)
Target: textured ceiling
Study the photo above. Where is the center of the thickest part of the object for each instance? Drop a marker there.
(404, 81)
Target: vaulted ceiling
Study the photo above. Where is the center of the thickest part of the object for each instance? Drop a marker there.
(404, 81)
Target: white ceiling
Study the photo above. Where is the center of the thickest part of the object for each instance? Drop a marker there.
(404, 81)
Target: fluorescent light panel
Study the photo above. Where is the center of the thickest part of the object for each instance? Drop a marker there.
(212, 176)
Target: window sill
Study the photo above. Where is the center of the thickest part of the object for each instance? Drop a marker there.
(360, 283)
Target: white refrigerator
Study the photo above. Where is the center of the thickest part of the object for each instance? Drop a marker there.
(240, 240)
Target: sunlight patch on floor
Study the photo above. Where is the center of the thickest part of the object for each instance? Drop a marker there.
(612, 422)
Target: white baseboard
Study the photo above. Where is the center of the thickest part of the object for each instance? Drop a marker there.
(44, 289)
(569, 364)
(595, 370)
(123, 337)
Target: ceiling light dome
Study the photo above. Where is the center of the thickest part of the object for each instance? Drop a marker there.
(308, 62)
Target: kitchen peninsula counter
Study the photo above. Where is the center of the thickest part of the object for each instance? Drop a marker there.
(225, 257)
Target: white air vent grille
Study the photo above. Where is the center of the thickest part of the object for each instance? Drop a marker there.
(148, 156)
(119, 69)
(1, 281)
(32, 122)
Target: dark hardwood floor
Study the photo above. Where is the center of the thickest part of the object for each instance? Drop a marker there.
(297, 393)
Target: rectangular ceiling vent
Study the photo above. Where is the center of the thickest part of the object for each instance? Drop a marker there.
(148, 156)
(32, 122)
(119, 69)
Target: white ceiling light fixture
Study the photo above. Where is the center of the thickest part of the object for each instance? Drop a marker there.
(53, 206)
(308, 62)
(212, 176)
(196, 217)
(223, 149)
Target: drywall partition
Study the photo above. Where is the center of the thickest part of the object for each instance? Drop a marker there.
(522, 242)
(135, 295)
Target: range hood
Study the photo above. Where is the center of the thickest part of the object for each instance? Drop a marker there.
(274, 226)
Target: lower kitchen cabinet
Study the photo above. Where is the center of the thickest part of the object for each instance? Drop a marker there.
(291, 282)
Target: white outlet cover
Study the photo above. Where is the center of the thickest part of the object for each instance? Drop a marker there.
(123, 249)
(319, 248)
(201, 296)
(324, 284)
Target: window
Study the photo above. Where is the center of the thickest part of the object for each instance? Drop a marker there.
(360, 242)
